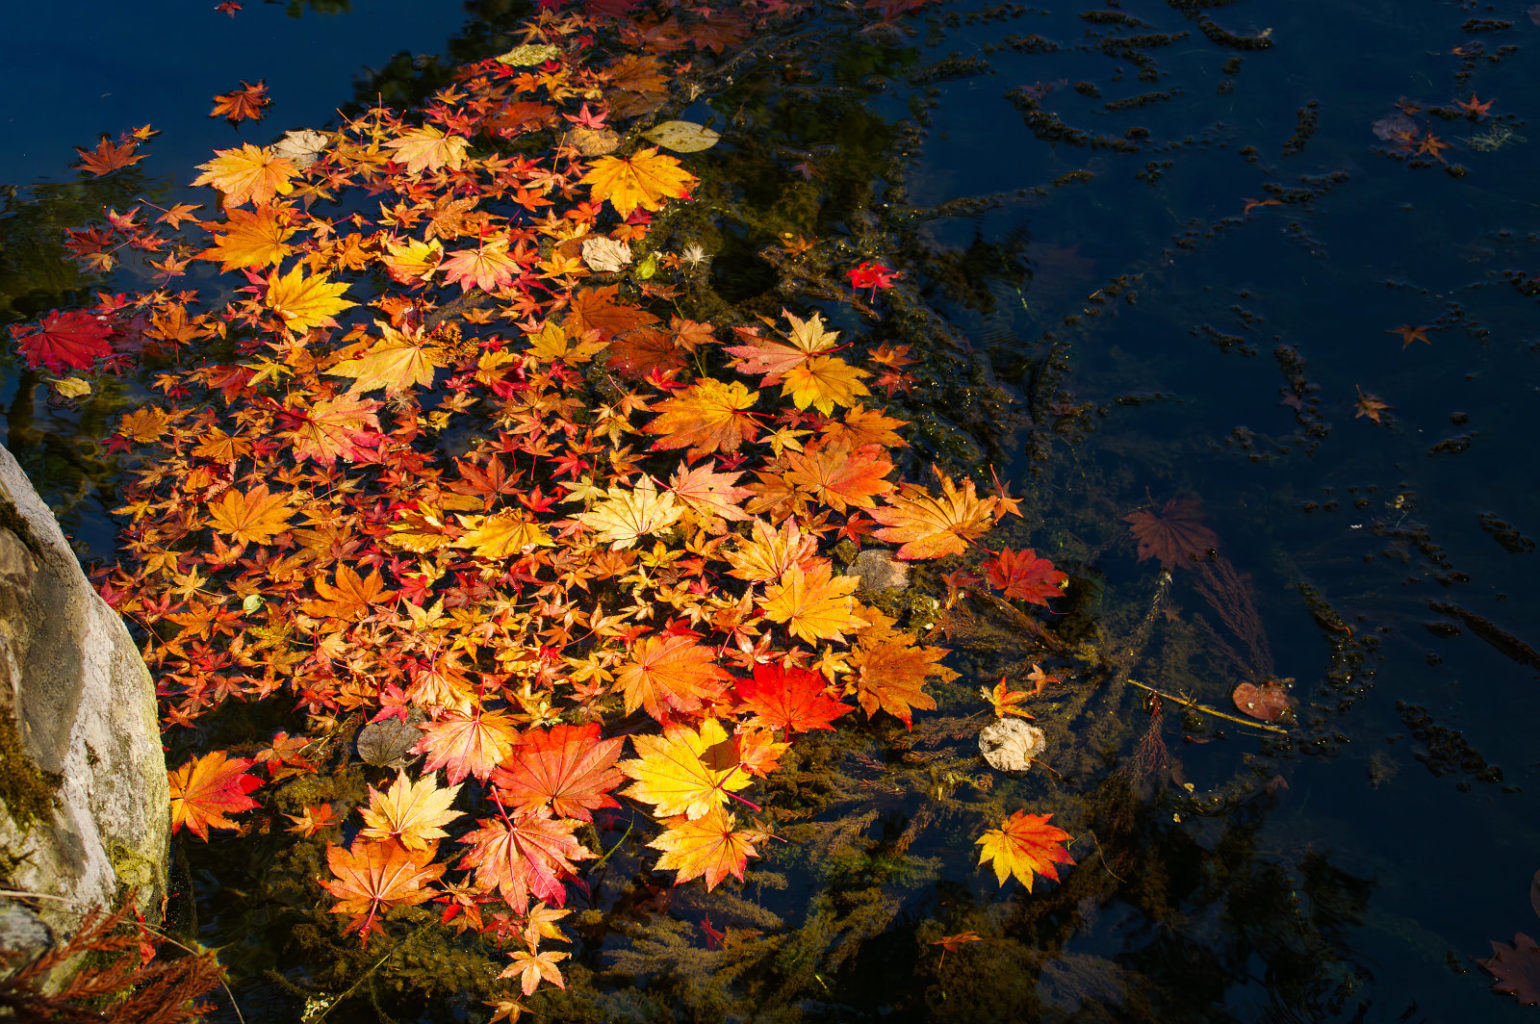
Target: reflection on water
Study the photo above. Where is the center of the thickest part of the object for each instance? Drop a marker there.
(1155, 256)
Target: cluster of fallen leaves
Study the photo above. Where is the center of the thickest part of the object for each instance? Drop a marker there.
(527, 508)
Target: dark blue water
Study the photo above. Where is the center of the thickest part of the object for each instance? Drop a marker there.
(1210, 351)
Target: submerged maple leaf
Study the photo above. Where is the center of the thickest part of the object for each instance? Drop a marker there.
(1516, 968)
(1024, 845)
(1176, 536)
(205, 790)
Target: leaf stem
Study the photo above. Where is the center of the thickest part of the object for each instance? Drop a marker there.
(1194, 705)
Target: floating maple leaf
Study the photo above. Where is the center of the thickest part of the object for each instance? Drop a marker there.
(249, 174)
(1176, 535)
(709, 846)
(670, 674)
(569, 769)
(243, 103)
(410, 812)
(1023, 575)
(205, 790)
(684, 771)
(522, 855)
(72, 340)
(372, 877)
(932, 527)
(1024, 845)
(644, 179)
(790, 698)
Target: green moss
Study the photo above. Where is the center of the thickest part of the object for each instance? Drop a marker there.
(28, 792)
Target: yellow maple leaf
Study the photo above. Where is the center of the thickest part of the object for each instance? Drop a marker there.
(932, 527)
(395, 363)
(1025, 845)
(508, 532)
(428, 148)
(305, 302)
(252, 238)
(627, 513)
(646, 178)
(413, 261)
(247, 174)
(409, 812)
(824, 382)
(770, 553)
(706, 846)
(684, 772)
(813, 604)
(255, 517)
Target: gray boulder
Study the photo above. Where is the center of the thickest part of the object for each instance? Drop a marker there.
(84, 804)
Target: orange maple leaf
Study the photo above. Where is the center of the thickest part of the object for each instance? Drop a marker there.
(684, 771)
(839, 476)
(1023, 575)
(372, 877)
(889, 671)
(352, 595)
(488, 266)
(813, 604)
(774, 360)
(646, 178)
(569, 769)
(255, 517)
(107, 157)
(709, 846)
(533, 968)
(1176, 535)
(252, 238)
(344, 427)
(410, 812)
(932, 527)
(205, 790)
(243, 103)
(708, 416)
(790, 698)
(1024, 845)
(670, 674)
(396, 363)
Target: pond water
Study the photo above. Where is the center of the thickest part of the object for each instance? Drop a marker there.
(1200, 262)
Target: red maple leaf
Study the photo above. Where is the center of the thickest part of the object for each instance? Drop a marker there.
(1516, 968)
(205, 790)
(790, 699)
(1022, 574)
(522, 855)
(569, 768)
(72, 340)
(107, 157)
(1176, 536)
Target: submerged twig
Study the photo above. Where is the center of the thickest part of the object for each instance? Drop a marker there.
(1194, 705)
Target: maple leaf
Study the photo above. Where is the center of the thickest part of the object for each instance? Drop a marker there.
(107, 157)
(488, 266)
(305, 302)
(824, 382)
(428, 148)
(932, 527)
(1024, 576)
(1410, 334)
(708, 846)
(524, 854)
(1516, 968)
(684, 771)
(255, 517)
(395, 363)
(813, 604)
(413, 261)
(645, 179)
(505, 533)
(205, 790)
(1176, 536)
(313, 820)
(626, 514)
(252, 238)
(840, 476)
(595, 309)
(1024, 845)
(710, 493)
(72, 340)
(249, 174)
(769, 553)
(467, 744)
(346, 427)
(889, 671)
(243, 103)
(532, 968)
(707, 416)
(1371, 406)
(410, 812)
(373, 877)
(773, 359)
(568, 768)
(352, 595)
(790, 698)
(1005, 699)
(671, 673)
